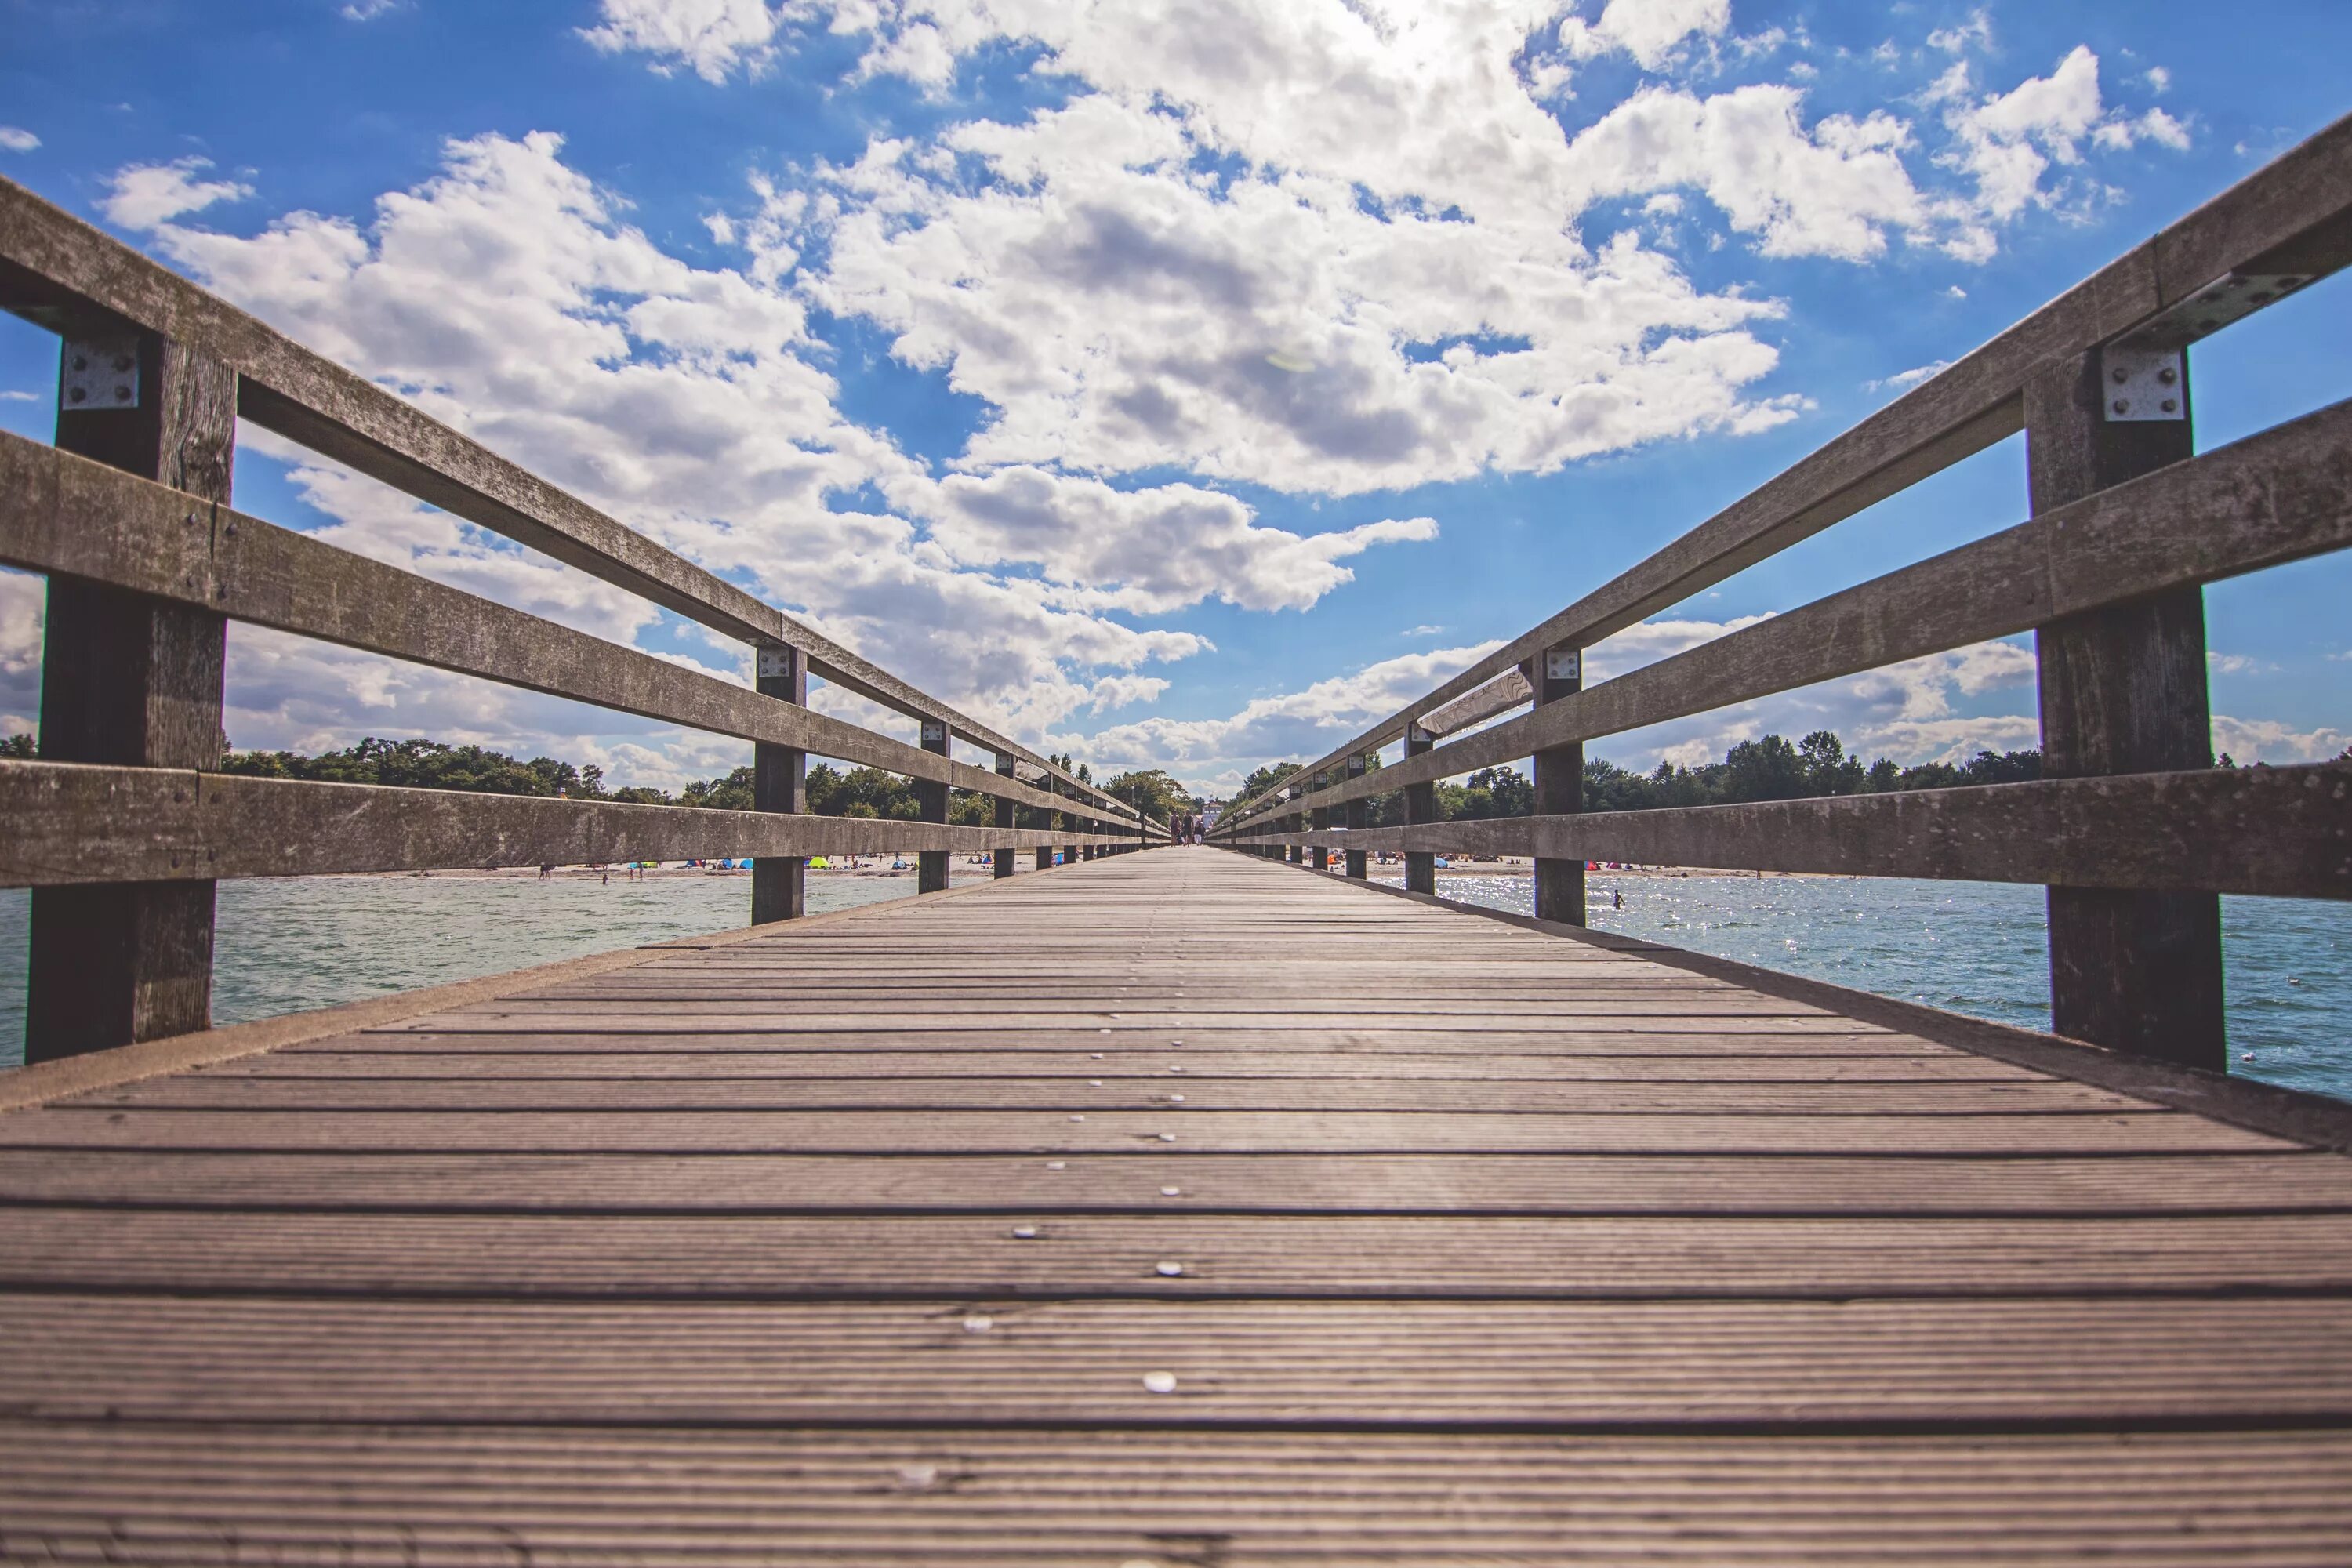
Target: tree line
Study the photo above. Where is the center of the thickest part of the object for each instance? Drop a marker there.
(865, 792)
(1767, 768)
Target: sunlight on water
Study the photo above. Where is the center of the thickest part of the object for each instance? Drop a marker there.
(1976, 948)
(1980, 948)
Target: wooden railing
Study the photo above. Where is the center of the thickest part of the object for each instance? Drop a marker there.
(123, 826)
(2131, 828)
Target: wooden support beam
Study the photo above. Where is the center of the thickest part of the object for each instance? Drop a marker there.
(1359, 816)
(1042, 820)
(1558, 773)
(1420, 807)
(931, 805)
(2276, 832)
(1321, 821)
(2122, 691)
(130, 680)
(1005, 810)
(780, 783)
(73, 824)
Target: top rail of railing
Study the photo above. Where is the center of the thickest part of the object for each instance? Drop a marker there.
(2269, 235)
(65, 274)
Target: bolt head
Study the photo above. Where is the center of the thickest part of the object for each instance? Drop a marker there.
(2123, 406)
(122, 395)
(81, 361)
(2119, 375)
(2172, 406)
(76, 396)
(2168, 375)
(122, 362)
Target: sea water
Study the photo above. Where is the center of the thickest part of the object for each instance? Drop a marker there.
(283, 945)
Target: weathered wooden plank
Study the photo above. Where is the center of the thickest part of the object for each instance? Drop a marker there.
(682, 1257)
(1170, 1089)
(71, 823)
(2286, 832)
(1397, 1364)
(111, 1492)
(1050, 1133)
(81, 522)
(2280, 496)
(606, 1183)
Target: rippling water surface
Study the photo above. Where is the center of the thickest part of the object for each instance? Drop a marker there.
(1976, 948)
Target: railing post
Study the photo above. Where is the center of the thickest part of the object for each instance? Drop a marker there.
(1420, 807)
(1003, 857)
(931, 803)
(1559, 777)
(1069, 822)
(133, 682)
(1042, 819)
(779, 782)
(1296, 822)
(1359, 816)
(2122, 691)
(1321, 823)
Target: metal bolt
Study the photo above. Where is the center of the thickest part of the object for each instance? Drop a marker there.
(122, 362)
(2170, 405)
(232, 531)
(2123, 406)
(81, 361)
(190, 520)
(76, 396)
(122, 395)
(2120, 376)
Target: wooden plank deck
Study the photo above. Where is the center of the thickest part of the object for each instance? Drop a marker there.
(1178, 1209)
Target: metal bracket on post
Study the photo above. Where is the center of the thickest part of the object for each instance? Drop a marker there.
(1563, 664)
(99, 373)
(774, 661)
(935, 734)
(2140, 385)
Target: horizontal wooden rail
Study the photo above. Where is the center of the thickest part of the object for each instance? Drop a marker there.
(2280, 496)
(2286, 832)
(72, 823)
(67, 275)
(2290, 219)
(60, 513)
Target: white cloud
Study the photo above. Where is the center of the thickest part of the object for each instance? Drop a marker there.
(711, 37)
(15, 397)
(15, 139)
(2238, 664)
(1905, 380)
(1652, 31)
(1422, 632)
(369, 10)
(506, 296)
(2159, 80)
(2270, 740)
(145, 195)
(1974, 33)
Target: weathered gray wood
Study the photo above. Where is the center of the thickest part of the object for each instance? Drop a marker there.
(1507, 691)
(130, 680)
(1419, 809)
(74, 519)
(2284, 831)
(1359, 816)
(1001, 860)
(55, 269)
(2290, 216)
(74, 823)
(931, 805)
(2281, 496)
(2122, 691)
(780, 783)
(1558, 779)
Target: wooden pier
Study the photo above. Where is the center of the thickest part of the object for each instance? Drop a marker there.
(1049, 1222)
(1188, 1209)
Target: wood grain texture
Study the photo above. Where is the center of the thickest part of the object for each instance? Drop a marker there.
(2294, 215)
(55, 268)
(858, 1238)
(2286, 832)
(71, 824)
(86, 524)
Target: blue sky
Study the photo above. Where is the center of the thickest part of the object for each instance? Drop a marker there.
(1184, 382)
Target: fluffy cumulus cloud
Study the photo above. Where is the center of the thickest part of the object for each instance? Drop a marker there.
(1323, 248)
(508, 295)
